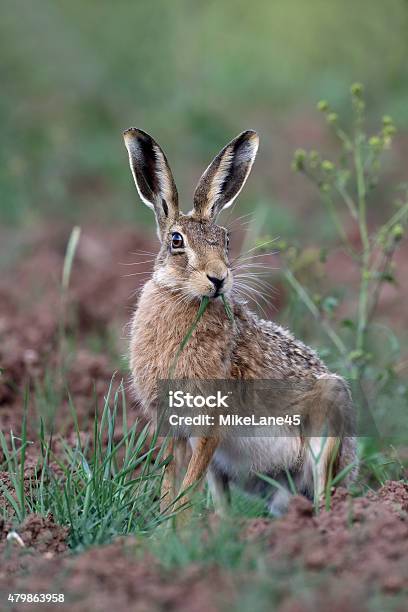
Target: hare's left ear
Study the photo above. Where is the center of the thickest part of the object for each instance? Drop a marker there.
(225, 176)
(152, 175)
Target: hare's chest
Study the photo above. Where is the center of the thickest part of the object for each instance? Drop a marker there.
(152, 352)
(158, 351)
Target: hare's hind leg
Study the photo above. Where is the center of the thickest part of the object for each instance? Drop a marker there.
(322, 457)
(279, 503)
(331, 421)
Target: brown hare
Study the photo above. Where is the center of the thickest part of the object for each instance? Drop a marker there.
(193, 263)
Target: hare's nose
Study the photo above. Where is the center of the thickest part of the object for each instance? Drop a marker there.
(217, 282)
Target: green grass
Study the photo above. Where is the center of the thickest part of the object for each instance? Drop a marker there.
(105, 486)
(108, 484)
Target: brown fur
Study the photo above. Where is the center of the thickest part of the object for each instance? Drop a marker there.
(248, 348)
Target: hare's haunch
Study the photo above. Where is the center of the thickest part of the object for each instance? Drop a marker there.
(193, 263)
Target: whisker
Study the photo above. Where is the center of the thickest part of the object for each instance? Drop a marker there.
(257, 281)
(230, 224)
(251, 289)
(268, 254)
(241, 258)
(136, 263)
(252, 268)
(259, 246)
(248, 294)
(136, 273)
(143, 253)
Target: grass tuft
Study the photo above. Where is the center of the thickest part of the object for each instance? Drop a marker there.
(101, 487)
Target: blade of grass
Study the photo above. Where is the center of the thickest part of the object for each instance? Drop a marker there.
(69, 258)
(228, 308)
(203, 306)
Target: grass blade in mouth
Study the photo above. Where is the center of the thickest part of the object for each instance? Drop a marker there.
(228, 308)
(203, 306)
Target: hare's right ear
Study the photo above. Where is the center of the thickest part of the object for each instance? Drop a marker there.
(152, 175)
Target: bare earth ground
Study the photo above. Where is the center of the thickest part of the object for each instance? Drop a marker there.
(356, 552)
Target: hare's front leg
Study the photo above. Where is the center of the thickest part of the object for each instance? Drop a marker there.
(203, 451)
(168, 487)
(219, 489)
(218, 484)
(176, 454)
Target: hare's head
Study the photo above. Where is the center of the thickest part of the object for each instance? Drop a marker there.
(193, 259)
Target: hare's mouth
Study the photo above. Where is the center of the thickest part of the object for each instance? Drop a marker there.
(219, 284)
(211, 285)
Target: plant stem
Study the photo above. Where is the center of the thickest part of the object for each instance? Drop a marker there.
(365, 258)
(348, 200)
(339, 227)
(334, 337)
(396, 217)
(203, 306)
(66, 276)
(228, 308)
(380, 270)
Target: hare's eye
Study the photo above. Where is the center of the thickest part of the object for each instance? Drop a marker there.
(227, 241)
(177, 241)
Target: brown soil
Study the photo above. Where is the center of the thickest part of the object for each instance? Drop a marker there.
(359, 546)
(99, 304)
(354, 553)
(37, 538)
(111, 577)
(347, 555)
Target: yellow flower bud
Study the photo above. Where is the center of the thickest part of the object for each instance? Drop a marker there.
(357, 90)
(327, 166)
(397, 232)
(323, 106)
(299, 159)
(375, 143)
(332, 117)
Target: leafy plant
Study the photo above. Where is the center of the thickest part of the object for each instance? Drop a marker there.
(346, 188)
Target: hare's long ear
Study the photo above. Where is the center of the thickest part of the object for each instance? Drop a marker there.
(225, 176)
(152, 175)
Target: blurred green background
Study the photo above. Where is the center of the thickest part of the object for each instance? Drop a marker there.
(74, 74)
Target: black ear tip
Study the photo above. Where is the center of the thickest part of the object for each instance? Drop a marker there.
(250, 134)
(134, 132)
(247, 138)
(130, 131)
(247, 141)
